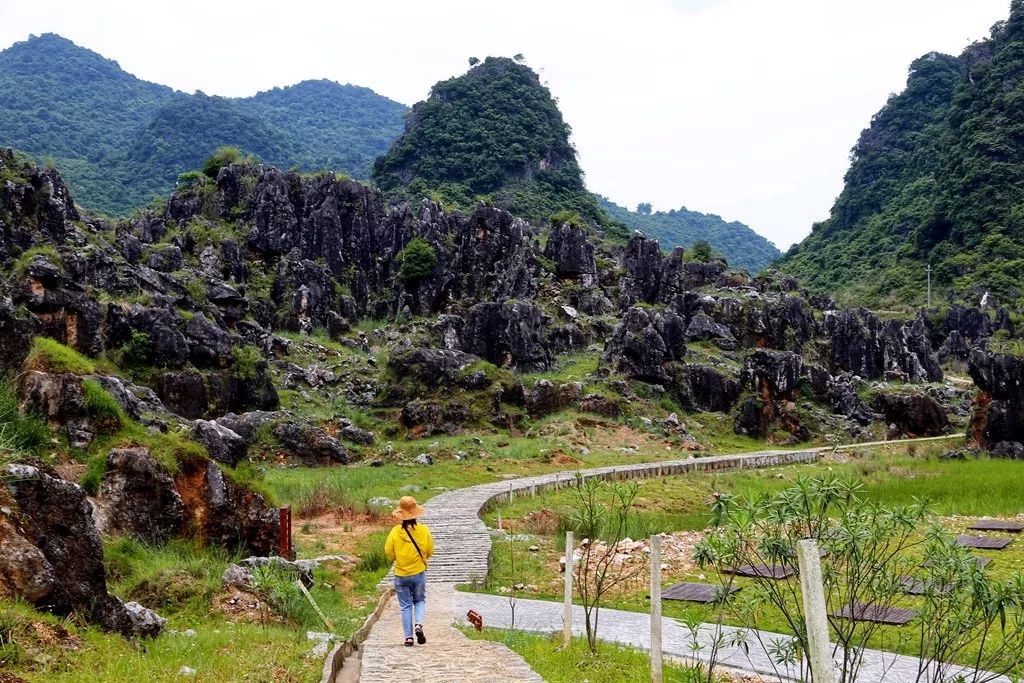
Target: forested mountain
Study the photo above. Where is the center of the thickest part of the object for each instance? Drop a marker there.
(938, 177)
(494, 133)
(121, 140)
(741, 246)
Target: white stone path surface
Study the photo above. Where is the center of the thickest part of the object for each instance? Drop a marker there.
(463, 546)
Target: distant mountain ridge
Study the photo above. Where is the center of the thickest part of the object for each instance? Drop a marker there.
(121, 140)
(936, 179)
(738, 243)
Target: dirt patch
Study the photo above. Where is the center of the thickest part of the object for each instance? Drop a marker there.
(542, 522)
(244, 607)
(10, 678)
(71, 471)
(339, 532)
(560, 457)
(54, 635)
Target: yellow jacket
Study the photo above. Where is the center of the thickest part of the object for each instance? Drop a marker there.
(400, 550)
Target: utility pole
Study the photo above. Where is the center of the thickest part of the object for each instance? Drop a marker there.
(815, 616)
(928, 269)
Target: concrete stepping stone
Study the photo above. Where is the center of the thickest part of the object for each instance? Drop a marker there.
(879, 614)
(915, 586)
(997, 525)
(763, 571)
(696, 592)
(982, 542)
(982, 562)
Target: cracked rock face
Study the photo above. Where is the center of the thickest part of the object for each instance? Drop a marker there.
(997, 422)
(139, 498)
(52, 533)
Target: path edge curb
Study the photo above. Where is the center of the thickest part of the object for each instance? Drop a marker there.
(336, 657)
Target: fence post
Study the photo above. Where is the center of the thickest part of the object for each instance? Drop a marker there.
(567, 601)
(656, 608)
(284, 537)
(813, 590)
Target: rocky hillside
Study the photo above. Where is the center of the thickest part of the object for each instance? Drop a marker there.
(494, 133)
(272, 317)
(937, 179)
(740, 246)
(121, 140)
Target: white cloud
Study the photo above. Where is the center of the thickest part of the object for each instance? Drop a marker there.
(746, 108)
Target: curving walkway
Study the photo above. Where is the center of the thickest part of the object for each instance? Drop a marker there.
(463, 546)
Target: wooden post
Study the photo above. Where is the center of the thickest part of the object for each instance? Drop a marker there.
(499, 520)
(822, 667)
(284, 538)
(655, 608)
(567, 613)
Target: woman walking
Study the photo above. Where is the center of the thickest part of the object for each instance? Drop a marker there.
(409, 546)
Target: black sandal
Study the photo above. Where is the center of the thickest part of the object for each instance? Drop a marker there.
(420, 638)
(408, 642)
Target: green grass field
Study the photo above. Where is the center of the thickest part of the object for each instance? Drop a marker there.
(957, 491)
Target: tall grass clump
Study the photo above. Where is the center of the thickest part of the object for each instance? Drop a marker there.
(49, 355)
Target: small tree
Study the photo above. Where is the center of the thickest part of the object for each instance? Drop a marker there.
(644, 208)
(418, 260)
(871, 550)
(473, 61)
(702, 252)
(224, 156)
(601, 511)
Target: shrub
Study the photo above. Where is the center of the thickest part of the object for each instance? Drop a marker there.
(701, 252)
(418, 260)
(189, 178)
(565, 216)
(224, 156)
(138, 350)
(49, 355)
(245, 362)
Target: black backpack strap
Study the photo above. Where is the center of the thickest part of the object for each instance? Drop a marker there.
(415, 545)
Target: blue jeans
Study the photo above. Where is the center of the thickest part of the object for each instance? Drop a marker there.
(412, 596)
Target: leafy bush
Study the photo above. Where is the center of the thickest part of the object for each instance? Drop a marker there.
(701, 252)
(418, 260)
(245, 362)
(49, 355)
(224, 156)
(138, 350)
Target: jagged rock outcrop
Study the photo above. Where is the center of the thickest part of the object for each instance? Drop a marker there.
(137, 497)
(705, 388)
(60, 399)
(863, 345)
(572, 253)
(35, 211)
(223, 513)
(773, 377)
(508, 334)
(644, 345)
(642, 266)
(548, 397)
(997, 423)
(843, 397)
(54, 517)
(912, 415)
(224, 445)
(310, 443)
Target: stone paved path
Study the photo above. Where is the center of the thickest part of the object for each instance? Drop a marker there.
(448, 654)
(463, 546)
(633, 629)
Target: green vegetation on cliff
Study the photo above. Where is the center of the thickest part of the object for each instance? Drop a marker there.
(494, 133)
(937, 178)
(736, 242)
(121, 141)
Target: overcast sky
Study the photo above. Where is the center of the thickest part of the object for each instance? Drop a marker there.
(744, 108)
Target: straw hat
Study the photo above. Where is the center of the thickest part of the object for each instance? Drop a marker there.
(407, 509)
